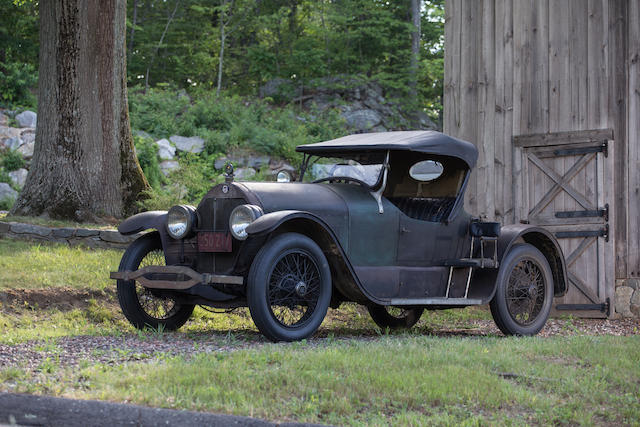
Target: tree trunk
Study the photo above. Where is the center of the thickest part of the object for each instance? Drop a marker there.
(415, 47)
(222, 41)
(84, 164)
(134, 21)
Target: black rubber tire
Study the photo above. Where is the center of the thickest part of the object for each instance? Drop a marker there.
(380, 314)
(506, 322)
(258, 285)
(128, 297)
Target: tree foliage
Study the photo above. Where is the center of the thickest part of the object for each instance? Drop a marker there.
(299, 40)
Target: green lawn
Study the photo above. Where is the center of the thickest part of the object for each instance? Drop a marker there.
(351, 373)
(391, 380)
(25, 265)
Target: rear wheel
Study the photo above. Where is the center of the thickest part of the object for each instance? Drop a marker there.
(289, 288)
(524, 292)
(145, 307)
(394, 317)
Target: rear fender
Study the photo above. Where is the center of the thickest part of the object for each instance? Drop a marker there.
(539, 237)
(344, 278)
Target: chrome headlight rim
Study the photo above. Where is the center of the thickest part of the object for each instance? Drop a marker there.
(181, 220)
(241, 217)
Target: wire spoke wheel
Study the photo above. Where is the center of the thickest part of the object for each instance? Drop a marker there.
(155, 306)
(394, 317)
(525, 292)
(146, 307)
(293, 288)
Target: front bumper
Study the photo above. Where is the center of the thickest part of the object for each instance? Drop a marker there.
(174, 277)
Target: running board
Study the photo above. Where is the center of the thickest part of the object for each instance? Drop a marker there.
(435, 301)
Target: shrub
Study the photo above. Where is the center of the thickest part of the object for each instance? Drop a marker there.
(12, 161)
(147, 152)
(16, 83)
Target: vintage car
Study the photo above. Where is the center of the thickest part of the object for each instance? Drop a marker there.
(377, 219)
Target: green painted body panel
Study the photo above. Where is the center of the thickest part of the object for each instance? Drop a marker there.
(373, 237)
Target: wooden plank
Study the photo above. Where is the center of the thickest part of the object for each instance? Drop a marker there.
(521, 177)
(468, 98)
(597, 63)
(507, 157)
(557, 138)
(539, 79)
(618, 17)
(486, 108)
(499, 115)
(559, 102)
(578, 24)
(452, 56)
(633, 134)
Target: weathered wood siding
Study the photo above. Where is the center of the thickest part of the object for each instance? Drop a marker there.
(538, 66)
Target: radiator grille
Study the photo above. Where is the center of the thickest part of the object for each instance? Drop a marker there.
(213, 215)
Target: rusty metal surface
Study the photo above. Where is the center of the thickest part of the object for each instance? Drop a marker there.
(193, 277)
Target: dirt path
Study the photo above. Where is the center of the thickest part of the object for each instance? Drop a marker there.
(72, 350)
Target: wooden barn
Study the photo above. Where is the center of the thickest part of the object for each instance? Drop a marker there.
(549, 92)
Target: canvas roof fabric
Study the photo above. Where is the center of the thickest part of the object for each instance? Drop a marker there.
(427, 142)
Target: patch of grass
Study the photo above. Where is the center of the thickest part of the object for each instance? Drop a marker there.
(52, 324)
(405, 380)
(47, 222)
(26, 265)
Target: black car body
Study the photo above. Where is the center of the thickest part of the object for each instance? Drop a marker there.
(382, 224)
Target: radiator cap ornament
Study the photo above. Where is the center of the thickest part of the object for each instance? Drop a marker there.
(228, 173)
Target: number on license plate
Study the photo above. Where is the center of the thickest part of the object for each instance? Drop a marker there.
(214, 241)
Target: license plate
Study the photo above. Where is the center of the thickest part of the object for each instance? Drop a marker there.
(214, 241)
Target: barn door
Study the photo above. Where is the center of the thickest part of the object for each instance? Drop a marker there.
(566, 186)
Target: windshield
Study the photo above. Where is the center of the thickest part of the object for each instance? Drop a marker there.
(359, 169)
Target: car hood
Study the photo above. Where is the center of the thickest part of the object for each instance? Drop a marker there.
(318, 199)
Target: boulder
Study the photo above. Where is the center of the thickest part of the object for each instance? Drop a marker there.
(12, 143)
(168, 166)
(166, 151)
(364, 119)
(244, 173)
(26, 149)
(7, 132)
(38, 230)
(221, 162)
(28, 136)
(255, 161)
(19, 177)
(193, 144)
(623, 300)
(142, 134)
(272, 87)
(3, 120)
(6, 192)
(27, 119)
(635, 303)
(425, 122)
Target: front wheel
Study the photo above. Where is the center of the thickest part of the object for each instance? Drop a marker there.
(145, 307)
(524, 292)
(394, 317)
(289, 288)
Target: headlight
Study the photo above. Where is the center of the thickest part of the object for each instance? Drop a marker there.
(180, 221)
(240, 219)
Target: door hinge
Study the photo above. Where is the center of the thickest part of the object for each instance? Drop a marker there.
(603, 232)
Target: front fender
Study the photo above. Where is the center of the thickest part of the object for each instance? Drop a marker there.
(269, 222)
(144, 221)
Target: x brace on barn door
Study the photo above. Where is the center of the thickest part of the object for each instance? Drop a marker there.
(562, 183)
